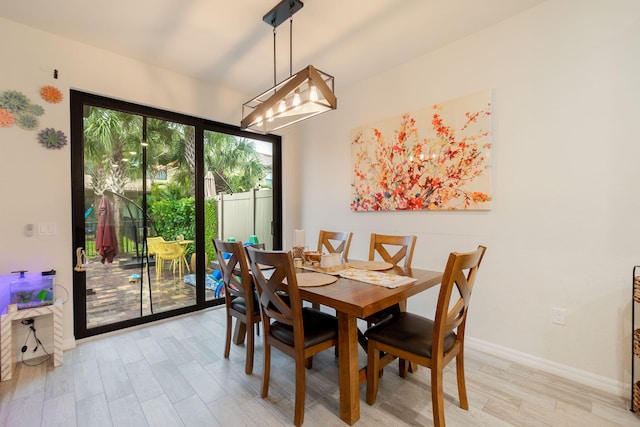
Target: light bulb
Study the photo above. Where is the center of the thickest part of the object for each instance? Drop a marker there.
(269, 115)
(282, 106)
(296, 100)
(313, 93)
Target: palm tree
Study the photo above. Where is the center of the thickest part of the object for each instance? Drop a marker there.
(234, 161)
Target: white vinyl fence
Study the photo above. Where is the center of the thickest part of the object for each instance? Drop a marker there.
(243, 214)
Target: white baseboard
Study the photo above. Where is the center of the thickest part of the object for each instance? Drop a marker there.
(69, 344)
(564, 371)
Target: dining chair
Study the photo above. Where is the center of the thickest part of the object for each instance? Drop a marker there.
(170, 251)
(335, 242)
(401, 248)
(297, 331)
(394, 250)
(239, 295)
(431, 343)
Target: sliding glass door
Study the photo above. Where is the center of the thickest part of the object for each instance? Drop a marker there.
(150, 191)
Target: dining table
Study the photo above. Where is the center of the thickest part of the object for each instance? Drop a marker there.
(353, 300)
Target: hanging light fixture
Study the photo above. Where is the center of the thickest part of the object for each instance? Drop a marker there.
(305, 94)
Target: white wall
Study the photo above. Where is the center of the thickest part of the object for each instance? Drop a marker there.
(563, 230)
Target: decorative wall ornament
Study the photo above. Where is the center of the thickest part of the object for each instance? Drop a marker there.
(437, 158)
(27, 121)
(13, 101)
(6, 118)
(16, 108)
(51, 94)
(52, 138)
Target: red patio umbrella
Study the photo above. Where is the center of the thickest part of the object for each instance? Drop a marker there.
(106, 238)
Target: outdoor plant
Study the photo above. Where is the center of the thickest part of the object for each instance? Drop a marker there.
(175, 218)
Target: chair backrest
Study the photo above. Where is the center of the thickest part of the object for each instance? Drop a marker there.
(401, 246)
(335, 242)
(235, 271)
(461, 271)
(280, 276)
(153, 243)
(169, 250)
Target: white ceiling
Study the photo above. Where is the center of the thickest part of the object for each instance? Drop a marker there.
(228, 44)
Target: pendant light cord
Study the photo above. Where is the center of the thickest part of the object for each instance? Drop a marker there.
(274, 56)
(290, 44)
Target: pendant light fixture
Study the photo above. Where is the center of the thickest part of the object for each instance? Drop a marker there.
(305, 94)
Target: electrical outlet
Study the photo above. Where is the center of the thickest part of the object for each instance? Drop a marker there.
(559, 316)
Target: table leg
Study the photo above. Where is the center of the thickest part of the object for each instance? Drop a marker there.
(349, 373)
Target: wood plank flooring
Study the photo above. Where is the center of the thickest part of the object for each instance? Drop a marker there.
(173, 374)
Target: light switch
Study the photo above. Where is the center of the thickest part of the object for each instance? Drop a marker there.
(47, 228)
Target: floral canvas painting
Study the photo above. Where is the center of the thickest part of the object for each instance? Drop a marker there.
(438, 158)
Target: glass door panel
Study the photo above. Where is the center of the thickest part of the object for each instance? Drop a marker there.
(238, 196)
(138, 189)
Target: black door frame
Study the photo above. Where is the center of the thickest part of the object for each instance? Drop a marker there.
(78, 100)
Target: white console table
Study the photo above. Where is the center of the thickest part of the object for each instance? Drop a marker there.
(7, 348)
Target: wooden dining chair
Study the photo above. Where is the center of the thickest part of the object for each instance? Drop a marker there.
(431, 343)
(394, 250)
(239, 295)
(401, 248)
(335, 242)
(297, 331)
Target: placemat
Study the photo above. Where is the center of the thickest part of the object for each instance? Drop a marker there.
(376, 278)
(371, 265)
(306, 280)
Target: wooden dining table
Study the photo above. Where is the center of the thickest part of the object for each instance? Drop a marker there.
(353, 299)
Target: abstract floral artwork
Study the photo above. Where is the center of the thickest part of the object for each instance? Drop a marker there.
(433, 159)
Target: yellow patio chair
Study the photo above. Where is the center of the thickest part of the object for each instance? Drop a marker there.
(153, 243)
(170, 251)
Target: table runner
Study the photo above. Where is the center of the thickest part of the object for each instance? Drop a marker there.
(376, 278)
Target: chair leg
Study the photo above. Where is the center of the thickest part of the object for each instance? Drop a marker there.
(308, 362)
(266, 369)
(248, 369)
(227, 344)
(298, 418)
(373, 359)
(403, 366)
(462, 389)
(436, 396)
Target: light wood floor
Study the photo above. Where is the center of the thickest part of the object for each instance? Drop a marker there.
(173, 374)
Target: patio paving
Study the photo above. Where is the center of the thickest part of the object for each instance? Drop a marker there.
(114, 298)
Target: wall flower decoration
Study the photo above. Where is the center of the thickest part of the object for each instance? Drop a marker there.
(6, 118)
(14, 101)
(51, 94)
(35, 109)
(434, 159)
(52, 138)
(27, 121)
